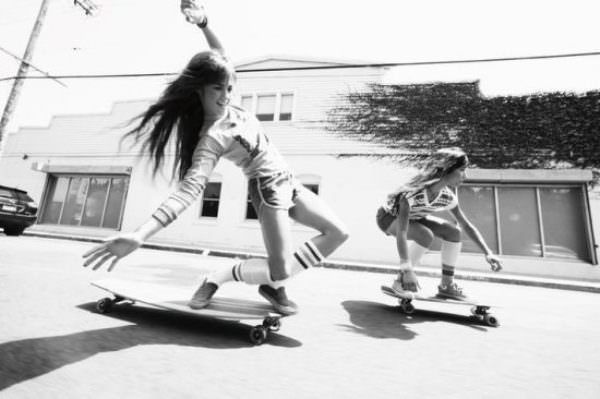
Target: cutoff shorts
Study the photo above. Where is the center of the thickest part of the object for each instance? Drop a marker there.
(277, 191)
(384, 219)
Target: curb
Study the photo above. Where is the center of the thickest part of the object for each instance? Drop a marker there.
(572, 285)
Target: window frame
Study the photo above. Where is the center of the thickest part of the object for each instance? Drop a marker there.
(51, 182)
(202, 200)
(585, 206)
(278, 101)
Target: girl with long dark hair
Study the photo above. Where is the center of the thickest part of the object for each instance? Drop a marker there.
(195, 108)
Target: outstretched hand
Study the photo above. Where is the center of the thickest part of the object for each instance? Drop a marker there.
(494, 262)
(410, 281)
(112, 250)
(194, 12)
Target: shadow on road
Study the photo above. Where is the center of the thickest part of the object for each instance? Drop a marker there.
(378, 320)
(29, 358)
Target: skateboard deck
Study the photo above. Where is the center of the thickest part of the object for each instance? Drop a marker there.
(176, 298)
(478, 310)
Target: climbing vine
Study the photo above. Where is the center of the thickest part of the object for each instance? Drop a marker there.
(541, 131)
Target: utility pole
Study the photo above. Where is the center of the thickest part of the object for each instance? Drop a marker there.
(89, 8)
(23, 68)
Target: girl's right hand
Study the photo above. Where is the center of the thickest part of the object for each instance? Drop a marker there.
(409, 279)
(194, 12)
(114, 247)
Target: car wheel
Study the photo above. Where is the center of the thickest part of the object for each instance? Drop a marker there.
(14, 231)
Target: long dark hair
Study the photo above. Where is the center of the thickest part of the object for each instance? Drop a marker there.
(179, 107)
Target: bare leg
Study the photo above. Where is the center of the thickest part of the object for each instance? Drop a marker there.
(312, 211)
(276, 230)
(451, 245)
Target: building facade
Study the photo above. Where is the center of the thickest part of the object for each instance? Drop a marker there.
(90, 183)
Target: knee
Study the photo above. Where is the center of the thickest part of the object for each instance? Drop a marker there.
(424, 238)
(280, 268)
(452, 234)
(339, 234)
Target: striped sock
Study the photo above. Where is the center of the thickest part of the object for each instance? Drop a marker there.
(307, 256)
(447, 274)
(449, 253)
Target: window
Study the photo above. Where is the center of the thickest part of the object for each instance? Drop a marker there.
(93, 201)
(310, 181)
(269, 107)
(247, 103)
(564, 216)
(525, 220)
(265, 107)
(250, 211)
(285, 109)
(314, 187)
(210, 200)
(519, 218)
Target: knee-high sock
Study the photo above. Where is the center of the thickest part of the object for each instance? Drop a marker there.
(449, 253)
(251, 271)
(305, 257)
(256, 270)
(416, 252)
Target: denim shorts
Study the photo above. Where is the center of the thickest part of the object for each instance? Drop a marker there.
(384, 219)
(276, 191)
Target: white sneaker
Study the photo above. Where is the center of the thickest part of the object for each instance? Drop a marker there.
(451, 291)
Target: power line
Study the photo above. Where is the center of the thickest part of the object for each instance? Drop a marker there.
(46, 74)
(324, 67)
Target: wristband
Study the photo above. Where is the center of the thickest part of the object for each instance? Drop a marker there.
(204, 23)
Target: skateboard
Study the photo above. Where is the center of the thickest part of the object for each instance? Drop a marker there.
(176, 298)
(478, 311)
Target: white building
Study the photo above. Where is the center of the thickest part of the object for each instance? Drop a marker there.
(543, 223)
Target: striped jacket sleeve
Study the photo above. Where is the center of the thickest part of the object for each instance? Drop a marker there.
(205, 158)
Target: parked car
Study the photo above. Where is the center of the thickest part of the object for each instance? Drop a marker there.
(17, 210)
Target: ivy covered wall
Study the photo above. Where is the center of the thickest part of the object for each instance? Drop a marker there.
(548, 130)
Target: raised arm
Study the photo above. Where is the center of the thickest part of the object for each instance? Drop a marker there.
(196, 14)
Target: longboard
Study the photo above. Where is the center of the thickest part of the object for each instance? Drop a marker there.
(478, 310)
(176, 299)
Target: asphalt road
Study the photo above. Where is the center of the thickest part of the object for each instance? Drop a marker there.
(349, 340)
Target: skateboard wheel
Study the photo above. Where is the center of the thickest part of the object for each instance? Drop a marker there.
(408, 308)
(479, 310)
(491, 320)
(272, 323)
(104, 305)
(258, 335)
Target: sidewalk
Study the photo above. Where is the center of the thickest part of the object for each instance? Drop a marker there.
(502, 278)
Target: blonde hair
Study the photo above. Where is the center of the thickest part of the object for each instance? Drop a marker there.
(437, 165)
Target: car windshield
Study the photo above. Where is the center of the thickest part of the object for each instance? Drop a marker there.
(24, 197)
(6, 193)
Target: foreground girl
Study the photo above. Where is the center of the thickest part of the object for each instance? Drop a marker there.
(195, 106)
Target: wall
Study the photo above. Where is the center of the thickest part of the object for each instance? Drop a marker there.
(353, 185)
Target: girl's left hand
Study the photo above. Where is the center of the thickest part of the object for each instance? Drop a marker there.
(112, 250)
(494, 262)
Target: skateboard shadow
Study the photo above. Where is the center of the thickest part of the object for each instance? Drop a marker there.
(378, 320)
(30, 358)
